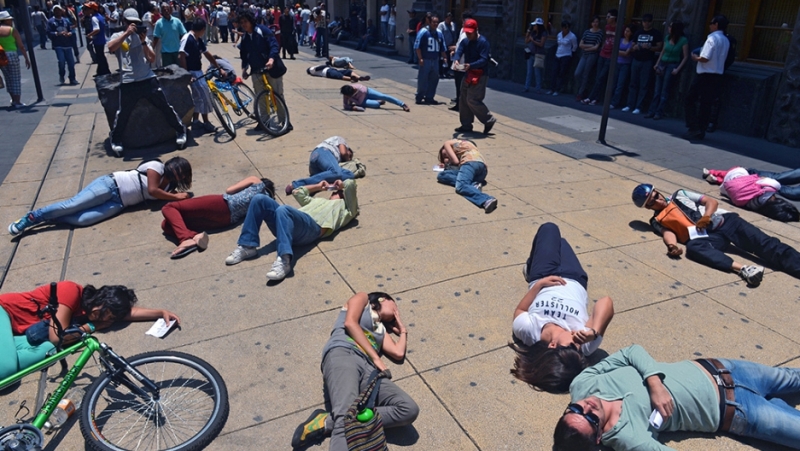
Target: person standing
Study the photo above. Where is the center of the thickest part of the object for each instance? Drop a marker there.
(138, 81)
(169, 30)
(591, 40)
(448, 30)
(430, 52)
(385, 22)
(11, 42)
(222, 22)
(708, 83)
(457, 65)
(113, 18)
(413, 22)
(192, 49)
(392, 26)
(475, 50)
(646, 43)
(567, 45)
(604, 63)
(60, 33)
(150, 19)
(321, 18)
(288, 38)
(39, 19)
(623, 66)
(535, 54)
(668, 67)
(305, 15)
(98, 37)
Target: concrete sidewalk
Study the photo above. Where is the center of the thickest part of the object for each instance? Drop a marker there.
(454, 270)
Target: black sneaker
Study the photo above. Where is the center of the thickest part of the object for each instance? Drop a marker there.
(463, 129)
(310, 431)
(488, 127)
(490, 205)
(453, 108)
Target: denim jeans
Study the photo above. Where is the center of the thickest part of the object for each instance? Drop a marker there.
(664, 84)
(65, 57)
(412, 54)
(42, 31)
(551, 255)
(464, 179)
(603, 64)
(583, 72)
(791, 177)
(289, 225)
(622, 82)
(640, 78)
(384, 31)
(374, 97)
(529, 71)
(323, 166)
(98, 201)
(427, 79)
(759, 414)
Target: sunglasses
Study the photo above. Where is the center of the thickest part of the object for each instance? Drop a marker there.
(652, 200)
(593, 419)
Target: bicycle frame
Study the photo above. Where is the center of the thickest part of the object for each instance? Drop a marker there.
(215, 92)
(271, 91)
(224, 86)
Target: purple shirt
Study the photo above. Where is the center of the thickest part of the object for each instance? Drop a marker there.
(357, 99)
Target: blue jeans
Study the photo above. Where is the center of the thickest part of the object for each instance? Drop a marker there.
(551, 255)
(603, 64)
(427, 80)
(65, 56)
(412, 55)
(759, 414)
(323, 166)
(791, 177)
(289, 225)
(640, 78)
(98, 201)
(373, 98)
(583, 72)
(664, 84)
(464, 179)
(622, 83)
(384, 31)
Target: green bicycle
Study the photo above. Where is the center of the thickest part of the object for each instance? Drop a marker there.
(161, 400)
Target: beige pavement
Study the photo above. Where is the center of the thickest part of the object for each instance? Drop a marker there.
(454, 270)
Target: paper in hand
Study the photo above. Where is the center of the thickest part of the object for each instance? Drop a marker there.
(160, 328)
(656, 420)
(694, 233)
(437, 168)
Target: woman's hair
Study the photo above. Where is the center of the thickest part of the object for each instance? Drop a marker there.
(779, 210)
(675, 31)
(547, 369)
(375, 299)
(347, 90)
(566, 438)
(179, 172)
(269, 187)
(116, 299)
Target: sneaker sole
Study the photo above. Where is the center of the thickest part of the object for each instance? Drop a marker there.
(12, 231)
(298, 432)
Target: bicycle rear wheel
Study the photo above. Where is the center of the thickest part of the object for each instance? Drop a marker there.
(191, 410)
(274, 117)
(246, 97)
(223, 115)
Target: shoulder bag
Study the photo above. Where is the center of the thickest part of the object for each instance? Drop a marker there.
(364, 430)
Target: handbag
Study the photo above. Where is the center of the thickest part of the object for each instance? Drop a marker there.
(539, 62)
(355, 166)
(473, 76)
(363, 428)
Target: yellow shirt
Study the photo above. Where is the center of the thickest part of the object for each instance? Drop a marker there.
(329, 214)
(466, 152)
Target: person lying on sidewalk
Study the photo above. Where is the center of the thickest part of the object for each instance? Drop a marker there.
(465, 168)
(356, 97)
(316, 218)
(753, 192)
(336, 74)
(552, 320)
(349, 359)
(695, 221)
(324, 164)
(341, 62)
(184, 218)
(108, 195)
(90, 308)
(628, 398)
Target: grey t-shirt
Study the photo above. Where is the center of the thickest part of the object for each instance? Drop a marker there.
(134, 65)
(238, 203)
(375, 333)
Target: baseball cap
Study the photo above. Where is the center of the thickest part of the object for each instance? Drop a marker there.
(470, 25)
(131, 15)
(91, 5)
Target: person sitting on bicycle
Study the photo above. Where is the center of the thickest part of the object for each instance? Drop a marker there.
(336, 74)
(350, 357)
(91, 308)
(324, 164)
(192, 49)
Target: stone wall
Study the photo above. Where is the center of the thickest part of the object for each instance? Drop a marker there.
(784, 125)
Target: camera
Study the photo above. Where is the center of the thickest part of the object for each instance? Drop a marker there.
(141, 29)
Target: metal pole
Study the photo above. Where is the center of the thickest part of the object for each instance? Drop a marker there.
(24, 19)
(612, 70)
(78, 28)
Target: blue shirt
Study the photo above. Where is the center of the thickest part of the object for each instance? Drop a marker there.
(431, 45)
(100, 37)
(56, 26)
(169, 30)
(476, 53)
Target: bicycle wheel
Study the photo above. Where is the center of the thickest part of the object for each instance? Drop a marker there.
(246, 97)
(223, 115)
(189, 414)
(273, 117)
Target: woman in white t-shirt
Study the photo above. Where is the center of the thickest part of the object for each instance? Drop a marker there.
(553, 331)
(108, 195)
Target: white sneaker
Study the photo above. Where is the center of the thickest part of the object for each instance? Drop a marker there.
(626, 109)
(280, 268)
(706, 173)
(752, 274)
(636, 111)
(117, 149)
(240, 254)
(180, 140)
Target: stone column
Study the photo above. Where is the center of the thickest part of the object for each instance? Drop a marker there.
(784, 126)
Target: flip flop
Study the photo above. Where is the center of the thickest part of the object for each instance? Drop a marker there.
(202, 241)
(183, 251)
(405, 108)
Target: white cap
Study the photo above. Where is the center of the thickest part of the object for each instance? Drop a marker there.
(131, 15)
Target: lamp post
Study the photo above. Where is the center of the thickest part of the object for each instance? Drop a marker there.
(612, 70)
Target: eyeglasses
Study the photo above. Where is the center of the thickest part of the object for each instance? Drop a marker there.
(593, 419)
(652, 200)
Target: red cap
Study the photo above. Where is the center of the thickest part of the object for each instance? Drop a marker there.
(470, 25)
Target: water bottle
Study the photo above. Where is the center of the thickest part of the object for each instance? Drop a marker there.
(66, 407)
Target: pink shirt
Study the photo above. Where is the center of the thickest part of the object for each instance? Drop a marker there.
(357, 99)
(742, 190)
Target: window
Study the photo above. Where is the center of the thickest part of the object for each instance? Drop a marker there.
(763, 29)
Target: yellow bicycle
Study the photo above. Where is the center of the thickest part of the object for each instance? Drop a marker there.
(271, 111)
(220, 102)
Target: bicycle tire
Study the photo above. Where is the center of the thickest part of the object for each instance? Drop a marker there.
(248, 92)
(223, 115)
(274, 120)
(189, 388)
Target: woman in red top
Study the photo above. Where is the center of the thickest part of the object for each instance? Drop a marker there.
(91, 308)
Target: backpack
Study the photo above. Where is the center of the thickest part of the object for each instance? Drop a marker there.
(731, 58)
(3, 57)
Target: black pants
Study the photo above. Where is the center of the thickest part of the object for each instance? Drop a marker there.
(130, 93)
(561, 73)
(100, 58)
(697, 106)
(459, 77)
(551, 255)
(223, 33)
(747, 237)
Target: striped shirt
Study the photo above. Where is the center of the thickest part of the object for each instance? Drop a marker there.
(592, 38)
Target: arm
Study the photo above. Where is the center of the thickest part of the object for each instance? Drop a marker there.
(350, 196)
(182, 60)
(658, 61)
(634, 356)
(684, 59)
(154, 188)
(149, 54)
(483, 49)
(303, 194)
(114, 44)
(450, 152)
(355, 307)
(249, 181)
(396, 350)
(148, 314)
(21, 47)
(601, 316)
(527, 300)
(51, 30)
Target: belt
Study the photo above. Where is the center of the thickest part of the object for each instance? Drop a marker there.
(115, 181)
(725, 384)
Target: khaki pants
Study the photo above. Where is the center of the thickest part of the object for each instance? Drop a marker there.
(470, 104)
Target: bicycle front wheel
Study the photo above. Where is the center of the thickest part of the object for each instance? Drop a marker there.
(273, 117)
(246, 97)
(191, 410)
(223, 115)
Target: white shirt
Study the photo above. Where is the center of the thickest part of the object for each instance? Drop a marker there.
(132, 184)
(318, 71)
(332, 144)
(385, 9)
(148, 22)
(715, 50)
(566, 44)
(562, 305)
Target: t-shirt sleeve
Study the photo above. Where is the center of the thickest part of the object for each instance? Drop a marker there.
(186, 46)
(154, 165)
(708, 49)
(524, 329)
(69, 295)
(590, 347)
(157, 29)
(95, 24)
(692, 196)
